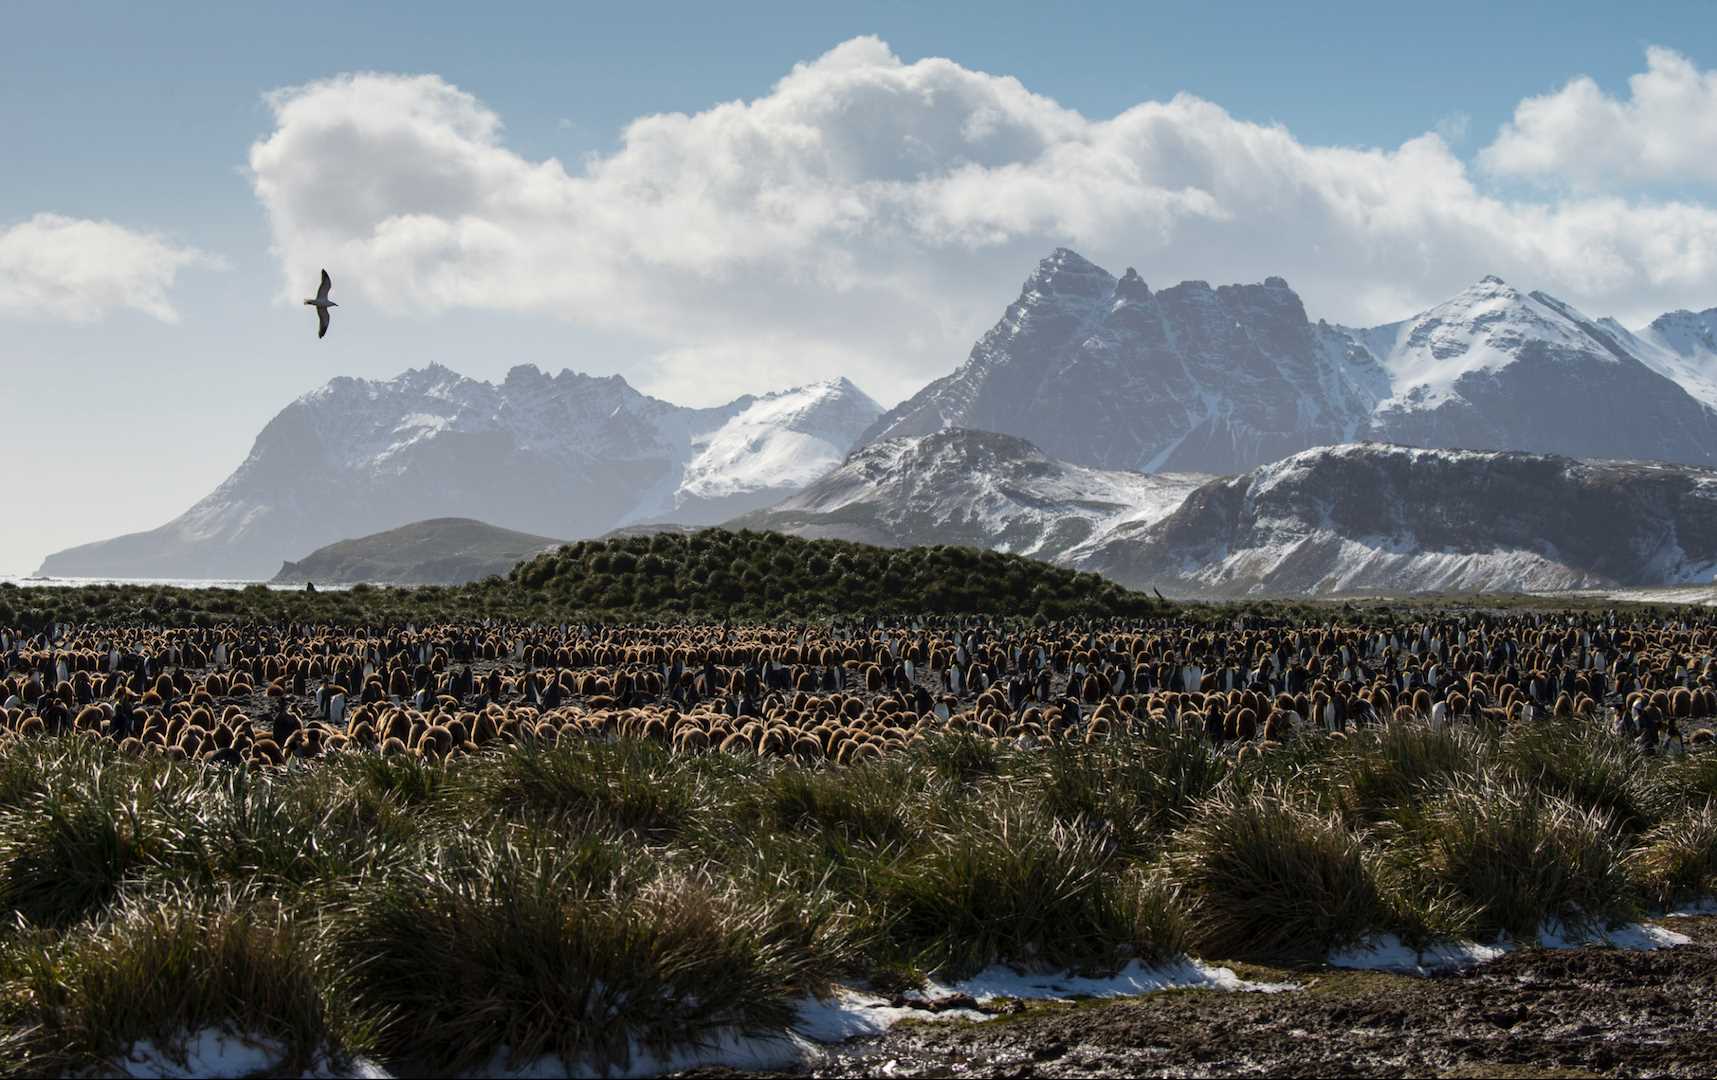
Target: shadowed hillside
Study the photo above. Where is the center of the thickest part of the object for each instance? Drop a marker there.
(441, 551)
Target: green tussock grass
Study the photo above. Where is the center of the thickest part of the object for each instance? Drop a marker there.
(502, 950)
(1267, 876)
(1518, 857)
(1676, 860)
(593, 899)
(157, 969)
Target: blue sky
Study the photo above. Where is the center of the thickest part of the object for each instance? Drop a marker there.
(145, 117)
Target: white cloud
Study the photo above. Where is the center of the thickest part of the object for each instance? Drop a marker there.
(72, 269)
(1665, 132)
(870, 217)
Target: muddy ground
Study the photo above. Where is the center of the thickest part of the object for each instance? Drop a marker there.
(1568, 1013)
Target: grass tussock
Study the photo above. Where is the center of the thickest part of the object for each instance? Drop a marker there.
(1518, 858)
(501, 950)
(631, 785)
(594, 900)
(1136, 790)
(1008, 883)
(1268, 876)
(160, 968)
(1385, 771)
(1588, 768)
(66, 850)
(1676, 861)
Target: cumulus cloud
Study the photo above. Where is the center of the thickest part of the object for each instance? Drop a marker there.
(76, 270)
(870, 216)
(1665, 131)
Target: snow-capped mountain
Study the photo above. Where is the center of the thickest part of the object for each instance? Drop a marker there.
(1101, 371)
(974, 488)
(566, 455)
(1681, 346)
(1376, 517)
(1498, 368)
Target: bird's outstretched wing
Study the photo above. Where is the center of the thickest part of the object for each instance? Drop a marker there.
(327, 283)
(321, 322)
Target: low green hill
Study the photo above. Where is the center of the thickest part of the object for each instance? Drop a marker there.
(713, 574)
(718, 573)
(440, 551)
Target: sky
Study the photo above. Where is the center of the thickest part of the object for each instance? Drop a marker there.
(713, 200)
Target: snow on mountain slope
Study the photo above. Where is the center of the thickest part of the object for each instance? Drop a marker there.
(1681, 345)
(1483, 329)
(1380, 518)
(779, 442)
(973, 488)
(1495, 368)
(566, 455)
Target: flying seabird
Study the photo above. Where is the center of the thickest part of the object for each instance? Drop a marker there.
(322, 304)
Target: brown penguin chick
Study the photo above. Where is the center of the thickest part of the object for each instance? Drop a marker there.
(1246, 725)
(1681, 703)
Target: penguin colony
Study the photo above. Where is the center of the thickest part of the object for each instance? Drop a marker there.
(265, 695)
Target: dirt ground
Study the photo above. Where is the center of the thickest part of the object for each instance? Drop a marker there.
(1570, 1013)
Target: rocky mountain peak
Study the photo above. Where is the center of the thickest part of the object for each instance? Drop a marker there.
(1685, 331)
(1132, 288)
(1066, 275)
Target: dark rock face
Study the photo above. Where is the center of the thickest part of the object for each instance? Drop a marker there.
(1374, 517)
(1102, 372)
(1552, 401)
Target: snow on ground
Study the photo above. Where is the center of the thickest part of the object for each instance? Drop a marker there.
(1632, 937)
(1387, 952)
(212, 1052)
(847, 1013)
(850, 1013)
(1132, 980)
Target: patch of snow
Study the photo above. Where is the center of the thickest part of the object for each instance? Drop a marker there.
(1134, 979)
(1630, 937)
(213, 1052)
(848, 1013)
(1681, 346)
(781, 440)
(1387, 952)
